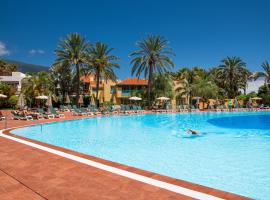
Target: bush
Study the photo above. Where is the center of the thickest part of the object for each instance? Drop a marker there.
(244, 98)
(86, 100)
(264, 93)
(13, 100)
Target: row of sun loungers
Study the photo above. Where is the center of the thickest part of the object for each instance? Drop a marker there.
(118, 109)
(38, 114)
(52, 113)
(185, 108)
(92, 110)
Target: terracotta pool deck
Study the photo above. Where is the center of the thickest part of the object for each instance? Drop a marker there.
(29, 173)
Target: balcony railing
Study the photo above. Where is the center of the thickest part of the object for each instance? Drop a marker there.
(129, 93)
(126, 94)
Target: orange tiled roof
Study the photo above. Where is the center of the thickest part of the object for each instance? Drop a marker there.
(133, 81)
(85, 79)
(89, 80)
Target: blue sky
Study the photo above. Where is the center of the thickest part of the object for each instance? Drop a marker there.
(200, 32)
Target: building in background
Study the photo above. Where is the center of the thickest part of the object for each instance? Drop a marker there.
(106, 88)
(130, 87)
(118, 91)
(14, 79)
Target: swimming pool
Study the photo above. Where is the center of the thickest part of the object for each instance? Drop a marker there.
(232, 152)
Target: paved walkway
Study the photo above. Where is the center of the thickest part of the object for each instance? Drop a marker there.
(27, 173)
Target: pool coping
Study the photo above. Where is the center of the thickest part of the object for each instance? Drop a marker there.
(172, 184)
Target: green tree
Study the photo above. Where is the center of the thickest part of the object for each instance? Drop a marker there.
(5, 89)
(153, 56)
(265, 74)
(232, 74)
(13, 100)
(62, 76)
(101, 63)
(40, 83)
(264, 93)
(72, 52)
(204, 88)
(185, 78)
(163, 85)
(6, 68)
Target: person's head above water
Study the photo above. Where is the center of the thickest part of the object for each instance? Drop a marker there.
(192, 131)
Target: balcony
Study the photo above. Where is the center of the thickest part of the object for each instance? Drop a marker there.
(129, 93)
(126, 94)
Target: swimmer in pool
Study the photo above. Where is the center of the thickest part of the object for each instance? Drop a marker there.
(192, 132)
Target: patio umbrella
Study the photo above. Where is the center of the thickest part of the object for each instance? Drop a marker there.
(92, 103)
(236, 104)
(43, 97)
(100, 99)
(80, 101)
(163, 98)
(59, 98)
(114, 99)
(67, 101)
(2, 96)
(256, 98)
(21, 101)
(49, 101)
(198, 102)
(249, 103)
(135, 98)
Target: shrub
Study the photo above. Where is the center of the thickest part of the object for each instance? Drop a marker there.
(13, 100)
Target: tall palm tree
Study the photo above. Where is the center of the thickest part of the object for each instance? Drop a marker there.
(102, 64)
(230, 73)
(153, 56)
(72, 51)
(265, 74)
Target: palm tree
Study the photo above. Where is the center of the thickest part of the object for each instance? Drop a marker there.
(71, 52)
(62, 77)
(232, 74)
(184, 80)
(102, 64)
(152, 56)
(40, 83)
(205, 89)
(265, 74)
(163, 85)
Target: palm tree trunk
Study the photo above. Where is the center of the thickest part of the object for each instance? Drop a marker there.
(189, 101)
(78, 83)
(150, 85)
(97, 88)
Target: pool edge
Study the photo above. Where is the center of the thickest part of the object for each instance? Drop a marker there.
(158, 177)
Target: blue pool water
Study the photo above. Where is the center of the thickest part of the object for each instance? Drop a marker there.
(232, 152)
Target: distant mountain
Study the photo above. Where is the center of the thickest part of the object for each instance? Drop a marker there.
(26, 67)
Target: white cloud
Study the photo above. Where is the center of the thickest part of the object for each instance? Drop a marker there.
(3, 49)
(36, 51)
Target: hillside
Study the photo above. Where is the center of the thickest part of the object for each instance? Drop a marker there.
(26, 67)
